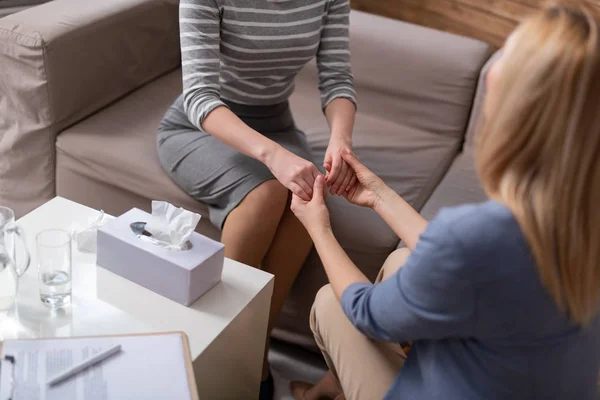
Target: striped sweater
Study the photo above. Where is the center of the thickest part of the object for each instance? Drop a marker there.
(250, 51)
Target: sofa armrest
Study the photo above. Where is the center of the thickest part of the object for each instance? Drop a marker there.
(62, 61)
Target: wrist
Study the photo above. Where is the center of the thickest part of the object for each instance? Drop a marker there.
(381, 197)
(320, 232)
(344, 137)
(266, 152)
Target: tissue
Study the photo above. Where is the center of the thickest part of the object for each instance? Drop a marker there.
(85, 234)
(171, 226)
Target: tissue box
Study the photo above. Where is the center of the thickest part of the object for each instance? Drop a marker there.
(182, 276)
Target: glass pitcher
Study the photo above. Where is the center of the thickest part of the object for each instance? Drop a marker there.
(9, 272)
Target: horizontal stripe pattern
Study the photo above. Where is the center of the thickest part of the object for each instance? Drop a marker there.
(249, 52)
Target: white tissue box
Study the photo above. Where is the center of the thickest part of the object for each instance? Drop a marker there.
(180, 275)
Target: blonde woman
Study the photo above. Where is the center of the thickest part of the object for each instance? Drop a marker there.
(500, 299)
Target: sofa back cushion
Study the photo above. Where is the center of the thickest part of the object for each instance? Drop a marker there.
(62, 61)
(424, 78)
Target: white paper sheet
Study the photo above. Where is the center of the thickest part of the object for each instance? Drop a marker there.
(147, 367)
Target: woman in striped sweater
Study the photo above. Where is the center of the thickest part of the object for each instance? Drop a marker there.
(230, 141)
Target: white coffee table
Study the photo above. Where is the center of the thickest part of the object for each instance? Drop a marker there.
(226, 327)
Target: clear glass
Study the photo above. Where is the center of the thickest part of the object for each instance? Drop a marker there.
(54, 267)
(9, 271)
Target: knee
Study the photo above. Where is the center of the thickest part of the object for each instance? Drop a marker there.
(271, 195)
(399, 256)
(322, 305)
(393, 263)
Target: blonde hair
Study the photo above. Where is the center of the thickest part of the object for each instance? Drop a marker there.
(538, 151)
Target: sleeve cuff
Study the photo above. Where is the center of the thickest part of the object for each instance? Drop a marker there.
(207, 109)
(349, 297)
(341, 95)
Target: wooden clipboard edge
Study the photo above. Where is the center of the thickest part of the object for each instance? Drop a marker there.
(189, 367)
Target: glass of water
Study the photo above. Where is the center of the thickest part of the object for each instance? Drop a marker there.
(54, 266)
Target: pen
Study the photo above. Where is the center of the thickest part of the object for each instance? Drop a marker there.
(96, 358)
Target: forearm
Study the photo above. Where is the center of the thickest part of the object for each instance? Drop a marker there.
(340, 270)
(340, 115)
(228, 128)
(404, 220)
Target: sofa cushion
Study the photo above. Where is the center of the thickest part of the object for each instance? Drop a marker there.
(422, 77)
(461, 184)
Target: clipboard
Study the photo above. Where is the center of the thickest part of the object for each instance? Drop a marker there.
(186, 352)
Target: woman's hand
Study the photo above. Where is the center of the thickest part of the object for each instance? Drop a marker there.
(295, 173)
(313, 214)
(369, 188)
(340, 177)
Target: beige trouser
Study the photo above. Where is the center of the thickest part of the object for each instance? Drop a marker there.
(364, 367)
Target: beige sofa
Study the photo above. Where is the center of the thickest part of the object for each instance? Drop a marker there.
(84, 84)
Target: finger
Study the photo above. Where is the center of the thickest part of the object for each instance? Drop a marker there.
(327, 160)
(298, 191)
(349, 195)
(346, 181)
(340, 178)
(352, 160)
(309, 177)
(295, 199)
(318, 173)
(335, 171)
(315, 173)
(306, 187)
(319, 187)
(295, 203)
(352, 182)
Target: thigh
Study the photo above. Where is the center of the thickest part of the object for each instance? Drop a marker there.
(365, 368)
(204, 167)
(211, 171)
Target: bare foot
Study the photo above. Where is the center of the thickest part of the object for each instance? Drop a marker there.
(300, 390)
(328, 387)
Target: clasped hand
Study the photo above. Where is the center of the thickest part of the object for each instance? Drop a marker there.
(366, 192)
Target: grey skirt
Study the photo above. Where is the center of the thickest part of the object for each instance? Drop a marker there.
(214, 173)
